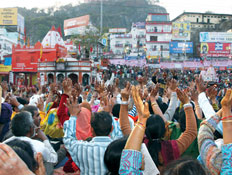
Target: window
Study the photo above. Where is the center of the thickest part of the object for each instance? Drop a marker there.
(208, 20)
(153, 38)
(197, 20)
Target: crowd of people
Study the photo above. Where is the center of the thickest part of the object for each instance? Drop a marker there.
(128, 121)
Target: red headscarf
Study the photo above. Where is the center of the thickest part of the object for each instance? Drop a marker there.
(83, 127)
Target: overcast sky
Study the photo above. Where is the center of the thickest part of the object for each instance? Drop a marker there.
(174, 7)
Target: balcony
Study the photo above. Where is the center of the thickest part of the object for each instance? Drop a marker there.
(158, 31)
(140, 36)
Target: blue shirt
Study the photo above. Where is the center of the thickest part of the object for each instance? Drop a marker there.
(88, 156)
(131, 162)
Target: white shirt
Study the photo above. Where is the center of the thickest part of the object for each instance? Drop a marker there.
(208, 109)
(45, 148)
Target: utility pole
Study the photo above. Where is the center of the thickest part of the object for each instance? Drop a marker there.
(101, 20)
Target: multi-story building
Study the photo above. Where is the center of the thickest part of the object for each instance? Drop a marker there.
(122, 43)
(158, 35)
(202, 20)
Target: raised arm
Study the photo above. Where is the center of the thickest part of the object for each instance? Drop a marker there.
(123, 115)
(62, 112)
(190, 133)
(227, 130)
(169, 113)
(131, 153)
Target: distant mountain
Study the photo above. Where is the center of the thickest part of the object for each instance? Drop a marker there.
(116, 13)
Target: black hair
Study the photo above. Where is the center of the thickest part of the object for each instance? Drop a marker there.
(184, 166)
(31, 109)
(101, 123)
(24, 150)
(22, 101)
(155, 130)
(21, 124)
(116, 110)
(113, 155)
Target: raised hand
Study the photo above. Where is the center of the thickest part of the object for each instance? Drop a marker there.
(182, 96)
(142, 109)
(194, 95)
(67, 86)
(154, 93)
(227, 99)
(173, 85)
(201, 85)
(40, 104)
(73, 107)
(125, 93)
(212, 92)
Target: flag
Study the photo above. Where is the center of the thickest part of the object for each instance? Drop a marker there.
(19, 36)
(28, 42)
(25, 36)
(79, 48)
(59, 31)
(91, 49)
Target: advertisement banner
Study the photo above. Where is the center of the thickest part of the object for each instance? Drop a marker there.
(134, 57)
(8, 16)
(213, 37)
(216, 49)
(181, 31)
(4, 68)
(181, 47)
(76, 25)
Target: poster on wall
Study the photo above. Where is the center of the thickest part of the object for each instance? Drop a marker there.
(181, 31)
(216, 49)
(181, 47)
(223, 37)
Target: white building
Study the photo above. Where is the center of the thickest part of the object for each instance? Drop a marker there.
(6, 43)
(158, 35)
(122, 43)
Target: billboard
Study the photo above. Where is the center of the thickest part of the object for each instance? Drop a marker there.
(216, 49)
(181, 47)
(224, 37)
(117, 30)
(76, 26)
(181, 31)
(8, 16)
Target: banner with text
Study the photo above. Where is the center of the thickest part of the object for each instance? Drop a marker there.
(213, 37)
(181, 47)
(216, 49)
(181, 31)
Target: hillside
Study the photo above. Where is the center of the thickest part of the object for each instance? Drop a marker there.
(116, 13)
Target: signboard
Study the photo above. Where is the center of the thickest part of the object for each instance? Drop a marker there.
(8, 16)
(212, 37)
(76, 25)
(117, 30)
(4, 68)
(181, 47)
(216, 49)
(181, 31)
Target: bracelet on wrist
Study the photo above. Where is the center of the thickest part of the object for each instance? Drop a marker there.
(187, 105)
(223, 118)
(154, 104)
(141, 124)
(124, 103)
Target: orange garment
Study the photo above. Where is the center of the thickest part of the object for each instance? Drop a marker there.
(13, 114)
(83, 127)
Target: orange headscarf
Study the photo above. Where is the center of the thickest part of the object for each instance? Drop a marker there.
(83, 127)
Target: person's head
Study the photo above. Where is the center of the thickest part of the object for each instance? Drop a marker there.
(155, 130)
(101, 123)
(34, 112)
(116, 110)
(23, 125)
(113, 155)
(95, 95)
(184, 166)
(86, 105)
(24, 150)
